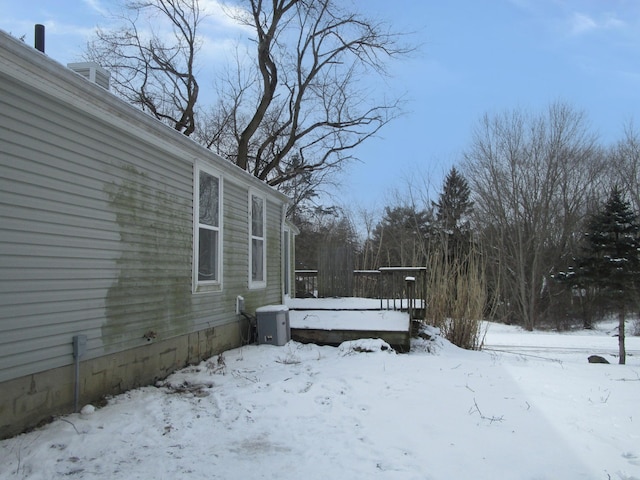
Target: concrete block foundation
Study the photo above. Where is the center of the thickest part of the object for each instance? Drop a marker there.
(32, 400)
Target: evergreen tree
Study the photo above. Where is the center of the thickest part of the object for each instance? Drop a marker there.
(610, 263)
(453, 205)
(452, 214)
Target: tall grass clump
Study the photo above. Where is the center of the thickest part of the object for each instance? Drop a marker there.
(456, 294)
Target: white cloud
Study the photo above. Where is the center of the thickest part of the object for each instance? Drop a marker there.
(581, 23)
(53, 27)
(221, 50)
(96, 6)
(223, 15)
(615, 23)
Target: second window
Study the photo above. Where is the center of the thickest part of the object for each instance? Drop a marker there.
(257, 248)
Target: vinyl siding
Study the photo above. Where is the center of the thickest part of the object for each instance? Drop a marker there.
(96, 224)
(235, 276)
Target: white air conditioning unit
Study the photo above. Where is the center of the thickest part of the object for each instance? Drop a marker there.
(92, 72)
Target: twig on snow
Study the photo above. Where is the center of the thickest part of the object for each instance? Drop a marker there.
(630, 379)
(238, 374)
(70, 423)
(490, 419)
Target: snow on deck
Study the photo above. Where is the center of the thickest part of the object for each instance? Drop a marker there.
(380, 321)
(345, 303)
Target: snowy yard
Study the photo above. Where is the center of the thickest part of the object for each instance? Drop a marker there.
(309, 412)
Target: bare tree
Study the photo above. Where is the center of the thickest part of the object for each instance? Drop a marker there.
(295, 105)
(400, 238)
(531, 178)
(626, 159)
(370, 252)
(310, 56)
(152, 69)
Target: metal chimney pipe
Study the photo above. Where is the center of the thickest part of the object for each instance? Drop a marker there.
(39, 37)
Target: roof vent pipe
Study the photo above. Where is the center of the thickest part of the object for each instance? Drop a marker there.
(39, 37)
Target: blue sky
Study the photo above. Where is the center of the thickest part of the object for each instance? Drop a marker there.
(476, 57)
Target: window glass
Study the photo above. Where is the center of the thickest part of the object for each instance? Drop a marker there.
(257, 247)
(257, 209)
(207, 255)
(208, 229)
(257, 264)
(209, 199)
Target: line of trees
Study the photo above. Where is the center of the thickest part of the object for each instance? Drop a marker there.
(536, 181)
(524, 198)
(291, 110)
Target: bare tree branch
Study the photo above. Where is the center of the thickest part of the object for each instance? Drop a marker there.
(531, 178)
(297, 95)
(310, 57)
(155, 74)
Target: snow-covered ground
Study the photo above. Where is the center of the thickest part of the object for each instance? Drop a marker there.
(529, 408)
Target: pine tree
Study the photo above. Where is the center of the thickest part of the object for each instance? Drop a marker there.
(452, 212)
(611, 260)
(453, 205)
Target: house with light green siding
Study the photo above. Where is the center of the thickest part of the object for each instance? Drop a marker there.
(124, 245)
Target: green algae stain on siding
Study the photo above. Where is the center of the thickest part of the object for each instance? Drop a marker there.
(152, 292)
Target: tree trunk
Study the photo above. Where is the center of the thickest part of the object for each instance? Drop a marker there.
(621, 349)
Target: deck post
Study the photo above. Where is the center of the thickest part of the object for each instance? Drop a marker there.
(411, 287)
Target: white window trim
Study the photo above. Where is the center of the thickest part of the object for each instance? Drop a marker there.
(198, 285)
(286, 261)
(257, 284)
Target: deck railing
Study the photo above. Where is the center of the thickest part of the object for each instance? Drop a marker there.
(397, 288)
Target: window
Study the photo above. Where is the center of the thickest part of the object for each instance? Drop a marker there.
(208, 230)
(257, 249)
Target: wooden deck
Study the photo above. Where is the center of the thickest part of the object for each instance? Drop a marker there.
(334, 321)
